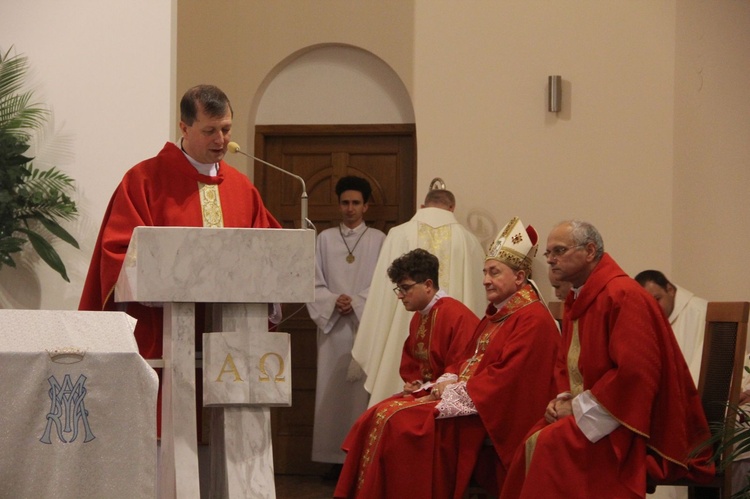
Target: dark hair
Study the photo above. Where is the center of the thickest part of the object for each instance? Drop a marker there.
(440, 197)
(352, 183)
(653, 276)
(212, 100)
(418, 264)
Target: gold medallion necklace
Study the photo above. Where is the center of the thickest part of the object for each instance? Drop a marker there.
(350, 257)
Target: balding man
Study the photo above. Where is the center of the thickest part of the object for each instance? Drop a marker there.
(627, 407)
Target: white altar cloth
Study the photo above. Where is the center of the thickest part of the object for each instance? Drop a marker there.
(78, 407)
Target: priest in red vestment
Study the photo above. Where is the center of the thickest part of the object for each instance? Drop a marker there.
(186, 184)
(440, 329)
(428, 446)
(627, 410)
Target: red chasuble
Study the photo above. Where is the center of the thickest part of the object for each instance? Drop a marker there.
(398, 448)
(437, 340)
(631, 363)
(162, 191)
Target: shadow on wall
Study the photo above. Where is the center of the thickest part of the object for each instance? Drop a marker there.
(20, 287)
(482, 224)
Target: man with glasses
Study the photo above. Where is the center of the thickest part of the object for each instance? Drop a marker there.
(428, 446)
(385, 325)
(627, 410)
(441, 327)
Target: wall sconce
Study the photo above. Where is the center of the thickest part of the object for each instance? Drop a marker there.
(554, 92)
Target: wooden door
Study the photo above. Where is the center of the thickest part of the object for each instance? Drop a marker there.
(385, 156)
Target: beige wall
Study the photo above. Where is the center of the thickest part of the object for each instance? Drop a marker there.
(481, 74)
(239, 46)
(624, 153)
(712, 148)
(105, 71)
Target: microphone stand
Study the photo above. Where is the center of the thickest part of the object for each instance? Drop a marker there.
(306, 223)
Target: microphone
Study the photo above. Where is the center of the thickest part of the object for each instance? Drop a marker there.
(234, 147)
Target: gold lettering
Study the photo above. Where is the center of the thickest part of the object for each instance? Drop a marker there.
(229, 367)
(262, 366)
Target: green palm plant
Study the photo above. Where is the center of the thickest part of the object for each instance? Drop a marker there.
(730, 441)
(30, 199)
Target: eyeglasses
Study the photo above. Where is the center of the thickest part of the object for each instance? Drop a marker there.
(402, 289)
(559, 251)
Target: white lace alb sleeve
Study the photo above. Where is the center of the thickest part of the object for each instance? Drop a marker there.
(455, 402)
(446, 377)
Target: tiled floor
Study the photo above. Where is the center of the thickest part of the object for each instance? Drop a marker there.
(303, 487)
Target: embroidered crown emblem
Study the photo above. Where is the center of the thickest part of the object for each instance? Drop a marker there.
(66, 355)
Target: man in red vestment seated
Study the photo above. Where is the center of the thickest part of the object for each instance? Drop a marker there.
(627, 407)
(427, 446)
(187, 185)
(440, 329)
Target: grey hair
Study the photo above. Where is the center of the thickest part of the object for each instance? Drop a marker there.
(584, 233)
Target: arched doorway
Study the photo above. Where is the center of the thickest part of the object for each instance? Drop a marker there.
(325, 113)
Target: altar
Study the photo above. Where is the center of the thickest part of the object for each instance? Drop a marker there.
(78, 407)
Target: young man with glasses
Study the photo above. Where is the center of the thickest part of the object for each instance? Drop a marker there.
(441, 327)
(381, 336)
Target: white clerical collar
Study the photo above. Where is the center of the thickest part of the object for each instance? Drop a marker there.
(500, 305)
(208, 169)
(576, 291)
(438, 295)
(356, 230)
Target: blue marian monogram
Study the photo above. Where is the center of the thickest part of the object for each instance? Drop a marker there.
(67, 413)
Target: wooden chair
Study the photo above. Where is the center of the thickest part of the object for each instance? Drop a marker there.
(719, 384)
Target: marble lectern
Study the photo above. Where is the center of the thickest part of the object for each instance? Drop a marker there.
(77, 408)
(242, 270)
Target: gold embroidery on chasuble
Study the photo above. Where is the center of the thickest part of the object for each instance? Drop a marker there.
(437, 240)
(574, 353)
(421, 350)
(529, 448)
(380, 419)
(576, 387)
(523, 297)
(210, 205)
(482, 343)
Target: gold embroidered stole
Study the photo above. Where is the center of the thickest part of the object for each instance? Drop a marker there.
(210, 205)
(523, 297)
(575, 378)
(421, 349)
(574, 353)
(379, 420)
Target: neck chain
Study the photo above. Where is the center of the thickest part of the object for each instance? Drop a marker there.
(350, 257)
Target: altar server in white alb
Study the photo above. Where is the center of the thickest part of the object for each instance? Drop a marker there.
(385, 323)
(345, 260)
(685, 311)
